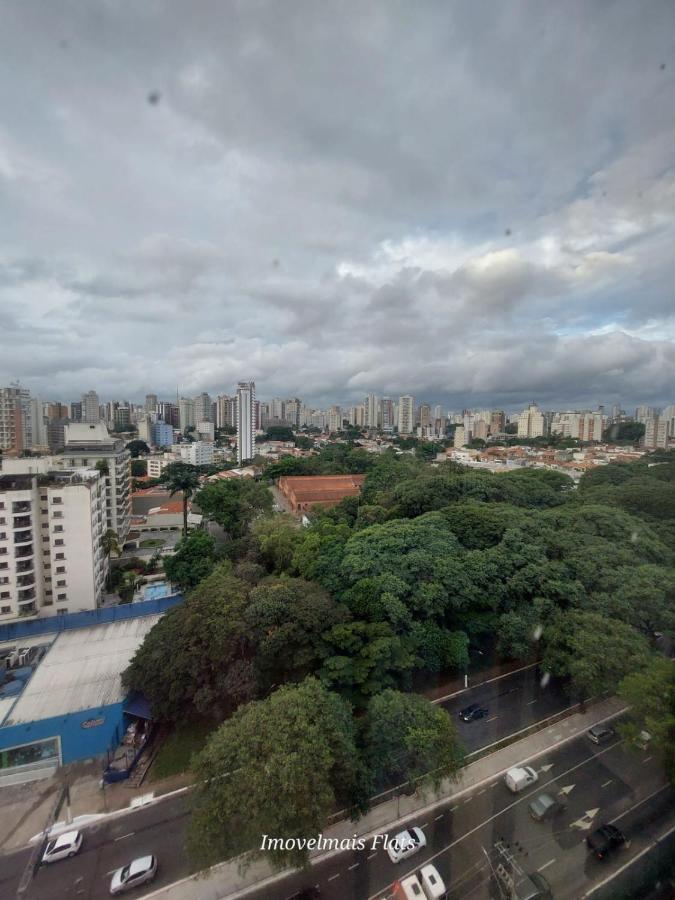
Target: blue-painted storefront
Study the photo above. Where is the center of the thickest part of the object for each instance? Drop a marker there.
(87, 733)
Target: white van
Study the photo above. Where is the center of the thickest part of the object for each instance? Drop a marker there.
(519, 778)
(408, 889)
(432, 883)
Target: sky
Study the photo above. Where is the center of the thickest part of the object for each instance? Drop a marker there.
(473, 203)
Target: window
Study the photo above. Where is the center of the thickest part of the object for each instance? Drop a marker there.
(5, 610)
(4, 595)
(58, 542)
(60, 569)
(61, 597)
(4, 565)
(57, 499)
(44, 497)
(58, 528)
(4, 580)
(45, 537)
(61, 582)
(60, 556)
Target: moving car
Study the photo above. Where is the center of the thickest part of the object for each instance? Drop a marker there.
(139, 871)
(544, 807)
(605, 839)
(63, 846)
(426, 884)
(474, 711)
(406, 843)
(520, 777)
(600, 734)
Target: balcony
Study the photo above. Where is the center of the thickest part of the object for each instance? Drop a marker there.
(24, 581)
(22, 522)
(24, 552)
(22, 506)
(26, 594)
(23, 537)
(25, 566)
(28, 610)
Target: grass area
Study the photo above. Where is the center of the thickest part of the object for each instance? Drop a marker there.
(152, 542)
(178, 749)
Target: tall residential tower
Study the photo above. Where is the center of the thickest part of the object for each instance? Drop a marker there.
(245, 421)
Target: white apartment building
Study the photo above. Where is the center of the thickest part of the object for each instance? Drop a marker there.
(206, 431)
(51, 556)
(656, 433)
(460, 439)
(584, 426)
(406, 414)
(372, 407)
(245, 421)
(357, 416)
(226, 411)
(388, 415)
(335, 419)
(86, 445)
(196, 453)
(90, 408)
(531, 422)
(157, 464)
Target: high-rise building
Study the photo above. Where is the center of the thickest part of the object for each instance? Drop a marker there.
(197, 453)
(335, 419)
(388, 417)
(76, 411)
(151, 403)
(162, 434)
(668, 416)
(169, 413)
(88, 445)
(656, 433)
(406, 414)
(56, 411)
(186, 413)
(245, 421)
(425, 416)
(226, 411)
(292, 409)
(16, 419)
(203, 408)
(90, 408)
(51, 527)
(531, 422)
(497, 421)
(145, 429)
(357, 416)
(460, 438)
(122, 418)
(372, 408)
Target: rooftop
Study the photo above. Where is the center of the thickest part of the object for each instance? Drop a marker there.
(82, 670)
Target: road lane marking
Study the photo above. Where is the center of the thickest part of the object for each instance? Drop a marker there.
(607, 783)
(468, 799)
(371, 855)
(629, 863)
(122, 836)
(491, 719)
(333, 877)
(439, 817)
(530, 702)
(424, 825)
(473, 687)
(482, 792)
(355, 866)
(647, 759)
(521, 799)
(546, 865)
(664, 787)
(453, 808)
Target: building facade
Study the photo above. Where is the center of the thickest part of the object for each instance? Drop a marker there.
(245, 421)
(406, 414)
(531, 422)
(90, 408)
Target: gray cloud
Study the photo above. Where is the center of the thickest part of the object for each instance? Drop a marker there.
(479, 208)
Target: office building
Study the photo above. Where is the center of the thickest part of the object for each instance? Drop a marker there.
(88, 445)
(90, 408)
(406, 414)
(51, 527)
(122, 418)
(162, 434)
(245, 421)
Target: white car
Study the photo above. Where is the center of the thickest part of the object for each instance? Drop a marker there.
(139, 871)
(63, 846)
(406, 843)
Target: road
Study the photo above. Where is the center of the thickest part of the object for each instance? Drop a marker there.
(514, 702)
(158, 829)
(604, 784)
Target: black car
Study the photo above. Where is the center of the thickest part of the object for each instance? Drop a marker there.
(605, 839)
(469, 713)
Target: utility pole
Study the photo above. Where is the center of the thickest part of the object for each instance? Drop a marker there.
(35, 858)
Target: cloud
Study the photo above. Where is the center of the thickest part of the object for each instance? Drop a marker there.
(479, 209)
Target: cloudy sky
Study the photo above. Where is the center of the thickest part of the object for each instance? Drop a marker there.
(472, 202)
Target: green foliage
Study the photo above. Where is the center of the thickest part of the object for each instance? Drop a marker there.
(275, 539)
(176, 753)
(278, 767)
(407, 738)
(234, 503)
(139, 468)
(593, 651)
(286, 622)
(624, 433)
(137, 447)
(193, 560)
(437, 649)
(196, 658)
(336, 459)
(650, 693)
(178, 476)
(276, 433)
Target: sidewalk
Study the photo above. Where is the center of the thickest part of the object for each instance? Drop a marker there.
(224, 880)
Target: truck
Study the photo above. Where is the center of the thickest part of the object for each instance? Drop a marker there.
(519, 778)
(426, 884)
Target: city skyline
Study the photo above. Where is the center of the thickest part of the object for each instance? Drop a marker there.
(482, 232)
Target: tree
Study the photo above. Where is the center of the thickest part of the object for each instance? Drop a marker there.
(650, 695)
(137, 447)
(624, 433)
(234, 503)
(593, 651)
(278, 768)
(178, 476)
(110, 544)
(185, 664)
(407, 738)
(287, 619)
(275, 539)
(277, 433)
(194, 559)
(102, 467)
(139, 468)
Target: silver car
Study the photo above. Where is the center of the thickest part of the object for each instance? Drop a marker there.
(139, 871)
(63, 846)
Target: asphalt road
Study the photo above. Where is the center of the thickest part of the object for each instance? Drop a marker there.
(466, 838)
(514, 702)
(158, 829)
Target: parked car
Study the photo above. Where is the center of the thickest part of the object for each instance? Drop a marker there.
(474, 711)
(432, 883)
(138, 871)
(544, 807)
(406, 843)
(63, 846)
(520, 777)
(600, 734)
(605, 839)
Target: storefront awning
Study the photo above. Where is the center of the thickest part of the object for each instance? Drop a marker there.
(139, 707)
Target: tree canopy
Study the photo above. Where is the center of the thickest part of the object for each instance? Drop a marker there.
(233, 503)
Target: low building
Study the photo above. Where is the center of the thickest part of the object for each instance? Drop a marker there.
(197, 453)
(305, 491)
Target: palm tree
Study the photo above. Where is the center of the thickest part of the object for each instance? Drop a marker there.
(180, 476)
(110, 544)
